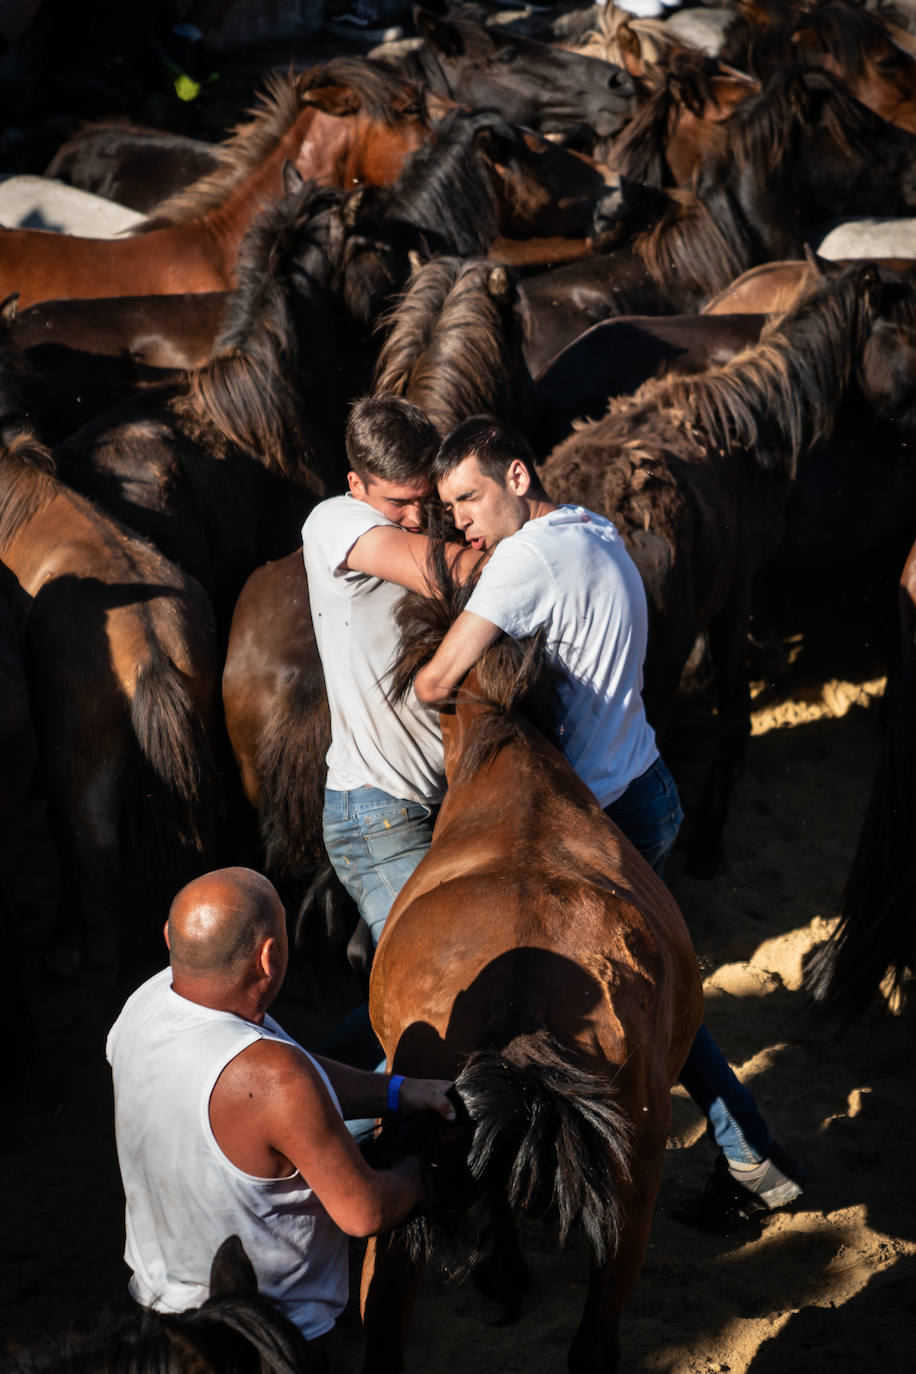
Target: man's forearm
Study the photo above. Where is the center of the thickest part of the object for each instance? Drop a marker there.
(359, 1092)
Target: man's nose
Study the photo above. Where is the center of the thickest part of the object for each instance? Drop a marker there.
(461, 518)
(413, 514)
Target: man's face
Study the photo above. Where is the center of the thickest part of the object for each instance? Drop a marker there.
(485, 509)
(399, 502)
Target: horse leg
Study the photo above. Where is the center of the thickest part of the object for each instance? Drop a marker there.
(727, 646)
(596, 1345)
(388, 1291)
(503, 1275)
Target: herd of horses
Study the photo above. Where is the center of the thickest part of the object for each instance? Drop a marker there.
(613, 256)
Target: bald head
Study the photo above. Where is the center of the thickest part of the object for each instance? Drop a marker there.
(218, 923)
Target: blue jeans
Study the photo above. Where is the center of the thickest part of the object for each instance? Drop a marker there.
(649, 814)
(374, 842)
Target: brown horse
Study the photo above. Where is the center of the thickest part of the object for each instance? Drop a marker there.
(342, 124)
(119, 654)
(695, 473)
(536, 958)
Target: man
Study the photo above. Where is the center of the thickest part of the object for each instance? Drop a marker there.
(385, 777)
(566, 569)
(226, 1126)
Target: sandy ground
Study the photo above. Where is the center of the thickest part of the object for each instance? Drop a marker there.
(828, 1286)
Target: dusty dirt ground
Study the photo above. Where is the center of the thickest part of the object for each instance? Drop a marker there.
(825, 1287)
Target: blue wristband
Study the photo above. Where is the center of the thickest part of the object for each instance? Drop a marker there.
(394, 1091)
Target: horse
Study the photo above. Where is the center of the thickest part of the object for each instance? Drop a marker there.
(799, 153)
(572, 98)
(130, 164)
(119, 654)
(680, 120)
(848, 40)
(874, 939)
(615, 357)
(233, 1332)
(453, 345)
(344, 123)
(537, 960)
(695, 473)
(220, 470)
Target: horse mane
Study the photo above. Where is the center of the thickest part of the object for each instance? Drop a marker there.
(763, 127)
(444, 186)
(777, 397)
(640, 151)
(698, 239)
(251, 391)
(842, 31)
(379, 86)
(511, 685)
(446, 345)
(28, 482)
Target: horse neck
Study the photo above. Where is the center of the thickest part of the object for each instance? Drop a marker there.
(228, 223)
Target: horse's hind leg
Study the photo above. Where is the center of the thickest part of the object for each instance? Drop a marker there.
(388, 1292)
(503, 1275)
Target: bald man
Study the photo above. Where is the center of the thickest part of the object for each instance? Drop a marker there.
(226, 1126)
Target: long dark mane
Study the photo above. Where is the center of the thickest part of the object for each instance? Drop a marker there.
(699, 245)
(383, 93)
(512, 681)
(640, 151)
(272, 367)
(447, 347)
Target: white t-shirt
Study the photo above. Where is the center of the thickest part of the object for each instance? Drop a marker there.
(184, 1197)
(373, 743)
(570, 572)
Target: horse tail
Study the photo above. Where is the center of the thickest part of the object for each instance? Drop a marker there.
(171, 792)
(290, 766)
(540, 1129)
(877, 926)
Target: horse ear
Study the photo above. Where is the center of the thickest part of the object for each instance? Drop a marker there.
(499, 284)
(352, 207)
(872, 287)
(415, 260)
(232, 1270)
(334, 100)
(8, 308)
(821, 267)
(438, 33)
(292, 178)
(630, 50)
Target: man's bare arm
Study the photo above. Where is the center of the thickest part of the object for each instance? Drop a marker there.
(467, 639)
(366, 1094)
(400, 556)
(271, 1113)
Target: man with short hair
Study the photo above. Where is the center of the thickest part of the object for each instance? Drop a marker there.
(565, 569)
(226, 1126)
(385, 778)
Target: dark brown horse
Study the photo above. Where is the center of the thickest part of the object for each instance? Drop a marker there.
(536, 958)
(800, 153)
(220, 470)
(132, 165)
(341, 124)
(119, 652)
(875, 937)
(573, 98)
(695, 474)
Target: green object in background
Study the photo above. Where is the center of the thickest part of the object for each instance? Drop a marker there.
(186, 88)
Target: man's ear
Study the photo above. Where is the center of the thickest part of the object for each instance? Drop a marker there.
(356, 484)
(165, 936)
(518, 477)
(269, 957)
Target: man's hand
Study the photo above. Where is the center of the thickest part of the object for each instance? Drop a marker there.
(426, 1094)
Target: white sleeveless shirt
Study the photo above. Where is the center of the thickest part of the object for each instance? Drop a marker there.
(184, 1197)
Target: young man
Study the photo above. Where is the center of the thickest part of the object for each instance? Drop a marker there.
(566, 569)
(226, 1126)
(361, 550)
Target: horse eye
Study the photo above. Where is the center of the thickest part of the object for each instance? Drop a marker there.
(412, 111)
(508, 55)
